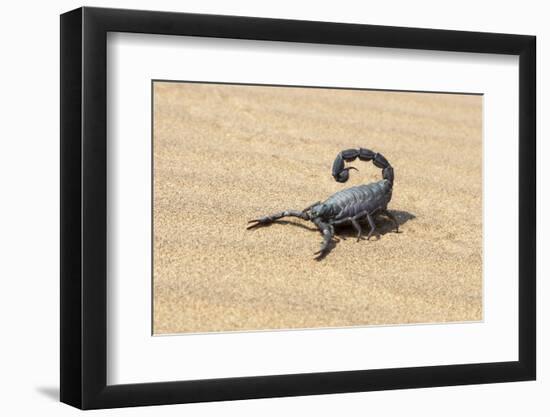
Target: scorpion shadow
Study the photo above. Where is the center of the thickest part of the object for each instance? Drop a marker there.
(383, 225)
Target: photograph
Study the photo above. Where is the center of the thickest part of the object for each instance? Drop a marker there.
(337, 204)
(282, 207)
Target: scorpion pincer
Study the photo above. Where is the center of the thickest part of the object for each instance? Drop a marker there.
(349, 206)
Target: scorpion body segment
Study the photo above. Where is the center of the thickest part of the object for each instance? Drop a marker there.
(349, 206)
(355, 200)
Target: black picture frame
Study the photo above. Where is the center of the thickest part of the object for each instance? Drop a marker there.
(84, 209)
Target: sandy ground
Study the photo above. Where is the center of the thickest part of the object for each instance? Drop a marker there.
(226, 154)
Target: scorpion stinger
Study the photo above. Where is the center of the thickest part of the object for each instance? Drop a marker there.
(341, 174)
(349, 206)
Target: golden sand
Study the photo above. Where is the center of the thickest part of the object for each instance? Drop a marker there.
(225, 154)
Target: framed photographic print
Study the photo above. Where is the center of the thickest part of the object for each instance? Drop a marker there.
(257, 207)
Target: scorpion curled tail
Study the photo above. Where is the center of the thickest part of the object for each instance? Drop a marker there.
(341, 174)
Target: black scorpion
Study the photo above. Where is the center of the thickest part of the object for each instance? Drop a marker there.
(351, 205)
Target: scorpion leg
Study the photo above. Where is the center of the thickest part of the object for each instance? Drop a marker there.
(372, 226)
(272, 217)
(392, 218)
(357, 227)
(354, 222)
